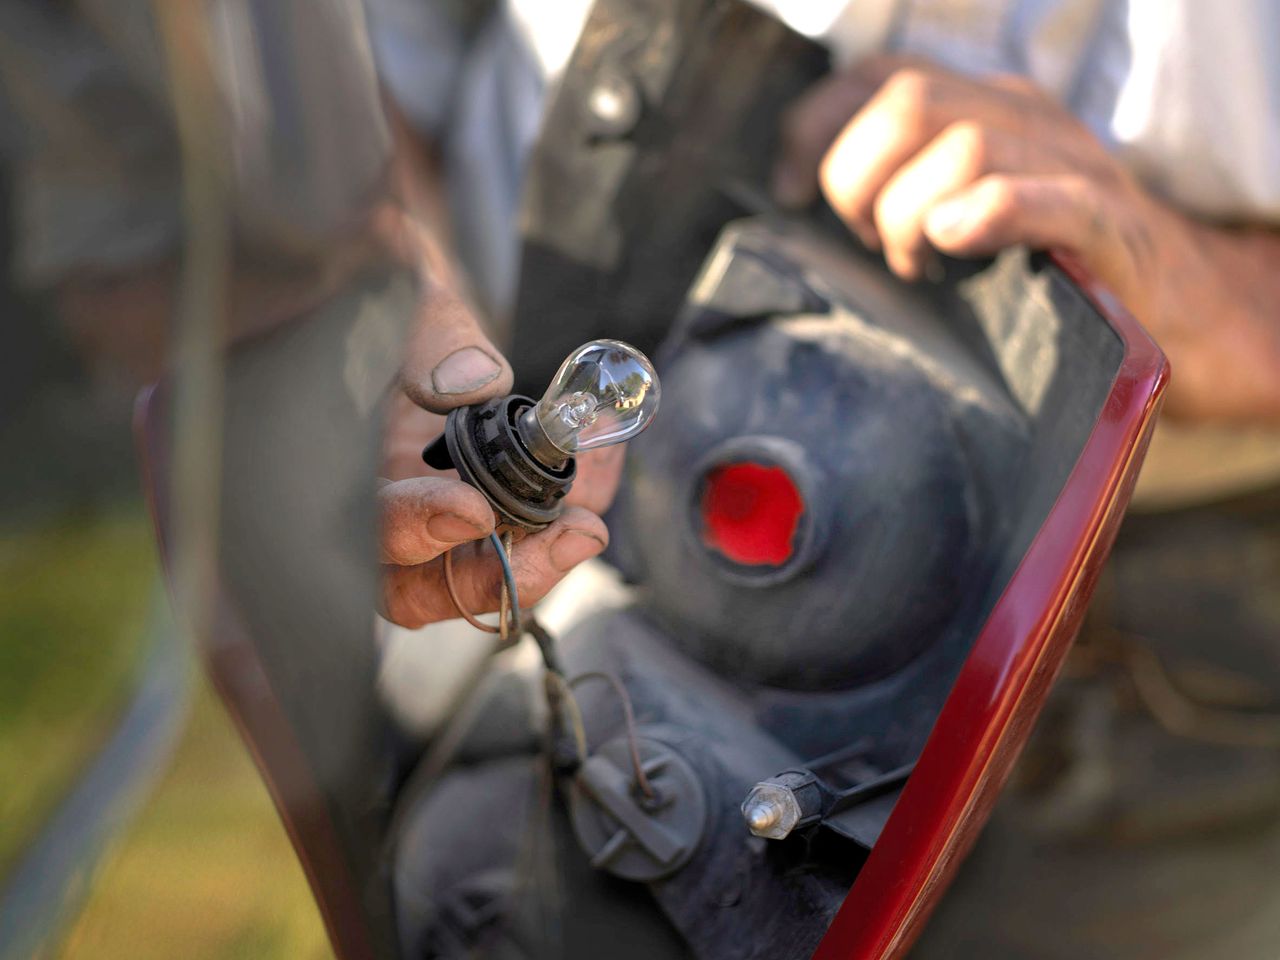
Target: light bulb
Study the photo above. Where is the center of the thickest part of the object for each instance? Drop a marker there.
(605, 392)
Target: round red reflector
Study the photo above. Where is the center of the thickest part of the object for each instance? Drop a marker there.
(750, 513)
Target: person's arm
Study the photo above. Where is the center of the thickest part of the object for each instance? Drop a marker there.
(314, 203)
(912, 156)
(424, 515)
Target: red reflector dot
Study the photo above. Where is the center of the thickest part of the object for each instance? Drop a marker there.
(750, 512)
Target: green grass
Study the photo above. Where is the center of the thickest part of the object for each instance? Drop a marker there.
(206, 871)
(74, 598)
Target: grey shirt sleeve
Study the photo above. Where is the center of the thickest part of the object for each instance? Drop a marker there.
(298, 128)
(420, 47)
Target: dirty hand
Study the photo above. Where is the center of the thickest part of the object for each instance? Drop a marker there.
(451, 363)
(913, 157)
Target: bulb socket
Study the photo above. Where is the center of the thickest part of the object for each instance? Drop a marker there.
(484, 445)
(534, 437)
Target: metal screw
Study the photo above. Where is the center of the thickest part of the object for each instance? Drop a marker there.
(762, 816)
(614, 103)
(771, 810)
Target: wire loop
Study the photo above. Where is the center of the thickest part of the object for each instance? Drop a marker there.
(510, 627)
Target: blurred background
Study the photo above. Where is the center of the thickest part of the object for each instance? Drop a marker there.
(132, 820)
(106, 723)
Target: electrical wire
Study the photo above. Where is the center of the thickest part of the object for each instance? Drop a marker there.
(633, 740)
(510, 627)
(546, 645)
(1165, 697)
(576, 725)
(513, 624)
(1184, 716)
(533, 869)
(452, 587)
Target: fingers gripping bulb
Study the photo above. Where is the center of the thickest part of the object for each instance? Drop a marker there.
(605, 392)
(520, 454)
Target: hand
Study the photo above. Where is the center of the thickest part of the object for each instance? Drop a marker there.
(451, 363)
(912, 156)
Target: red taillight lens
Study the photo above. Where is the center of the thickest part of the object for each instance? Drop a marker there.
(750, 513)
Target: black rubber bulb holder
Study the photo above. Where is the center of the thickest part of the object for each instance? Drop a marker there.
(483, 443)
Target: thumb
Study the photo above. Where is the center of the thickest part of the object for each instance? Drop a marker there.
(449, 361)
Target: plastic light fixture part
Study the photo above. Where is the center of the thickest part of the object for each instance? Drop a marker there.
(751, 513)
(604, 393)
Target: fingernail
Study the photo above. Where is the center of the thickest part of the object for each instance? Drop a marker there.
(948, 218)
(572, 547)
(450, 528)
(464, 370)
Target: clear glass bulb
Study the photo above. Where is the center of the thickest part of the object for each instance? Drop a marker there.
(605, 392)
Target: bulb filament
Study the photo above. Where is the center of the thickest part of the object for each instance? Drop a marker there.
(579, 410)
